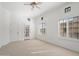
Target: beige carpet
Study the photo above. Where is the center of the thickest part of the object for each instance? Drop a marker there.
(34, 48)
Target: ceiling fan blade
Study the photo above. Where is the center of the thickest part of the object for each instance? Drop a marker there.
(26, 4)
(37, 6)
(34, 4)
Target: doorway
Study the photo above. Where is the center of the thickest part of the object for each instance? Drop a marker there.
(27, 32)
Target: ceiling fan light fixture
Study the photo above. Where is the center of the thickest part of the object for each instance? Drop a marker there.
(34, 4)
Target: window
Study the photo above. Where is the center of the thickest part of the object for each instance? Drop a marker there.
(43, 26)
(63, 28)
(69, 27)
(74, 28)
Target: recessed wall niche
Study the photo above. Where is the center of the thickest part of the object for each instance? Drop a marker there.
(63, 28)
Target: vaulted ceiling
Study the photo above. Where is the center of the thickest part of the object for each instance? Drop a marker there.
(26, 10)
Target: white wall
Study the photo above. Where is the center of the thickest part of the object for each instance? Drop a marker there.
(12, 26)
(52, 17)
(4, 26)
(17, 24)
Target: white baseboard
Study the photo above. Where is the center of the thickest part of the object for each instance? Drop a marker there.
(4, 44)
(57, 45)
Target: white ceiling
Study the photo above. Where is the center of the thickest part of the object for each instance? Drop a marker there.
(25, 10)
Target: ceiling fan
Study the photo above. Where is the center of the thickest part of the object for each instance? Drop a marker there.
(33, 4)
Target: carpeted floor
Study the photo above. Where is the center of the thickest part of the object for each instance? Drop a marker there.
(34, 48)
